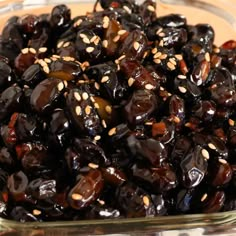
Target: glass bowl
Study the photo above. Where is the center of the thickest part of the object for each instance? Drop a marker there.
(221, 14)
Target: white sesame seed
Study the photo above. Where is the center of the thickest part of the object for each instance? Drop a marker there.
(60, 86)
(157, 61)
(56, 56)
(37, 212)
(46, 69)
(176, 119)
(90, 49)
(146, 201)
(157, 55)
(47, 60)
(163, 56)
(182, 89)
(108, 109)
(92, 99)
(105, 79)
(96, 105)
(93, 166)
(136, 45)
(212, 146)
(59, 45)
(172, 60)
(162, 89)
(222, 161)
(151, 8)
(76, 196)
(24, 50)
(97, 85)
(207, 57)
(105, 43)
(162, 34)
(83, 36)
(32, 50)
(216, 50)
(77, 96)
(121, 58)
(161, 43)
(131, 81)
(101, 202)
(97, 137)
(42, 63)
(159, 31)
(86, 40)
(93, 38)
(181, 77)
(231, 122)
(43, 49)
(149, 123)
(204, 197)
(121, 32)
(116, 38)
(78, 110)
(171, 66)
(85, 96)
(78, 22)
(154, 50)
(179, 57)
(149, 86)
(104, 124)
(127, 9)
(205, 154)
(87, 110)
(112, 131)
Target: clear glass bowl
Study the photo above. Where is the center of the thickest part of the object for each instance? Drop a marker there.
(221, 14)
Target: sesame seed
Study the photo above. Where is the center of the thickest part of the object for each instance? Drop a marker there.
(121, 58)
(105, 43)
(182, 89)
(136, 45)
(121, 32)
(112, 131)
(149, 86)
(188, 124)
(146, 201)
(47, 60)
(181, 77)
(157, 61)
(104, 79)
(90, 49)
(42, 63)
(97, 85)
(26, 86)
(32, 50)
(59, 45)
(78, 22)
(176, 119)
(151, 8)
(154, 50)
(43, 49)
(145, 54)
(86, 40)
(101, 202)
(96, 41)
(212, 146)
(24, 50)
(216, 50)
(171, 66)
(162, 34)
(46, 69)
(161, 43)
(108, 109)
(77, 96)
(207, 57)
(127, 9)
(157, 55)
(116, 38)
(205, 154)
(172, 60)
(76, 196)
(163, 56)
(92, 99)
(222, 161)
(204, 197)
(60, 86)
(56, 56)
(161, 88)
(78, 110)
(97, 137)
(93, 166)
(37, 212)
(104, 124)
(83, 36)
(149, 123)
(159, 31)
(131, 81)
(85, 96)
(231, 122)
(93, 38)
(179, 57)
(96, 105)
(87, 110)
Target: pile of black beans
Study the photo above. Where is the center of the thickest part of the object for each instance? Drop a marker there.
(113, 114)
